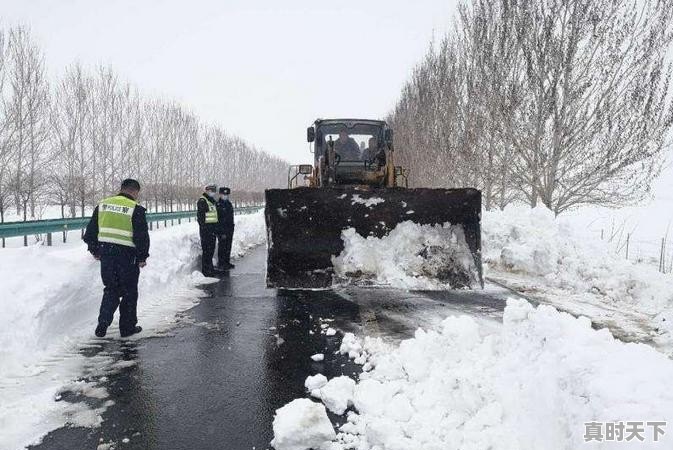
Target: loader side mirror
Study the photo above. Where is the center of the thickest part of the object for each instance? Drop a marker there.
(310, 134)
(305, 169)
(388, 136)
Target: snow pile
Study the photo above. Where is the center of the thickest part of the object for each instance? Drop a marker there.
(532, 384)
(411, 256)
(302, 425)
(50, 298)
(535, 244)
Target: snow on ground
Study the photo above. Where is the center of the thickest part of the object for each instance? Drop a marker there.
(368, 202)
(50, 299)
(556, 262)
(411, 256)
(534, 381)
(530, 384)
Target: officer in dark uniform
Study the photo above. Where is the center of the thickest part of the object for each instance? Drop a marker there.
(117, 236)
(225, 214)
(209, 227)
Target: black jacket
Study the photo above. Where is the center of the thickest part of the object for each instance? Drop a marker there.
(141, 236)
(225, 215)
(201, 210)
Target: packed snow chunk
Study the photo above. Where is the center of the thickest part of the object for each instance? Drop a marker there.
(337, 394)
(411, 256)
(318, 357)
(315, 381)
(302, 425)
(368, 202)
(330, 331)
(351, 346)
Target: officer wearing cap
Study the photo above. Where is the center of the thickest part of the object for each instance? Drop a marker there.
(225, 214)
(117, 236)
(209, 227)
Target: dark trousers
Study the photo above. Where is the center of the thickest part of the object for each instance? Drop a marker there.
(207, 249)
(224, 246)
(119, 271)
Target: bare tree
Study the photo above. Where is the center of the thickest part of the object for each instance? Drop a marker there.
(559, 102)
(29, 110)
(73, 145)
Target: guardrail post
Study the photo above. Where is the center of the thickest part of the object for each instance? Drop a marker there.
(48, 239)
(65, 236)
(172, 222)
(179, 222)
(150, 225)
(25, 240)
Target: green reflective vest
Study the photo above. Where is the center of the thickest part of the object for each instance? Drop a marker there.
(115, 220)
(211, 214)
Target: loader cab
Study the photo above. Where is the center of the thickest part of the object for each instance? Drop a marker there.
(361, 151)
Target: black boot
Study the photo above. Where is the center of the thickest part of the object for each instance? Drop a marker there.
(137, 329)
(101, 330)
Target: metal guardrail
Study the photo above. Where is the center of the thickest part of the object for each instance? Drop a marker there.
(49, 226)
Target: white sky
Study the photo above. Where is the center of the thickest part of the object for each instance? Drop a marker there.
(264, 70)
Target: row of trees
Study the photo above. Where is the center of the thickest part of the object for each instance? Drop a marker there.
(72, 142)
(559, 102)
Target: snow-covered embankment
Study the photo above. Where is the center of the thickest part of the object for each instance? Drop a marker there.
(50, 299)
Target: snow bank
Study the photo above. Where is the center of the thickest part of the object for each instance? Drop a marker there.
(411, 256)
(50, 299)
(554, 253)
(531, 385)
(302, 425)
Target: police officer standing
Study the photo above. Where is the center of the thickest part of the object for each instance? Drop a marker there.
(117, 236)
(207, 218)
(225, 214)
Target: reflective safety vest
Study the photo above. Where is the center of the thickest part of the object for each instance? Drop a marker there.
(211, 214)
(115, 220)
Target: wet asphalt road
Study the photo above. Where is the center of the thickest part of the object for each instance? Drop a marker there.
(215, 381)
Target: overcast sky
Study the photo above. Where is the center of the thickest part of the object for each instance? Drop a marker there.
(264, 70)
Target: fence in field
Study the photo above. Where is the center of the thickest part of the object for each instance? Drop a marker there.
(51, 226)
(653, 252)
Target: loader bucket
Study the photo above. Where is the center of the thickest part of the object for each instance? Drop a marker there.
(304, 226)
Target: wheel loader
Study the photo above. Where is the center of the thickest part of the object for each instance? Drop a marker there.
(354, 183)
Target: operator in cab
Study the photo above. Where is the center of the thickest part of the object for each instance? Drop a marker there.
(346, 147)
